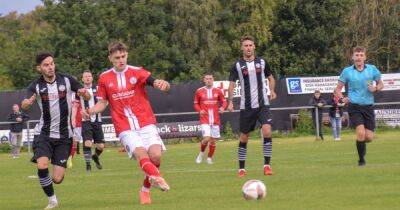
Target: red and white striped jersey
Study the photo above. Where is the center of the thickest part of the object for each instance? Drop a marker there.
(127, 97)
(209, 99)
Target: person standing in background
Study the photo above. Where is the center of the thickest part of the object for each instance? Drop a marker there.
(335, 115)
(16, 130)
(318, 102)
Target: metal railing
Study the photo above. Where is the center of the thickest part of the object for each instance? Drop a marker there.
(195, 113)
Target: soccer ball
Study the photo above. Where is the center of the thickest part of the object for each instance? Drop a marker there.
(254, 190)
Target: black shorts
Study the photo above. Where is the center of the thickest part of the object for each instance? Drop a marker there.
(57, 150)
(249, 118)
(92, 131)
(362, 115)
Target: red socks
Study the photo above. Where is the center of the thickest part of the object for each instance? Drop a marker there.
(148, 167)
(211, 150)
(73, 150)
(146, 182)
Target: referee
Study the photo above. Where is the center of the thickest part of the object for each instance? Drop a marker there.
(360, 79)
(252, 71)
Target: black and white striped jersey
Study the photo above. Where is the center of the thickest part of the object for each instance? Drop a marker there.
(251, 76)
(55, 102)
(85, 104)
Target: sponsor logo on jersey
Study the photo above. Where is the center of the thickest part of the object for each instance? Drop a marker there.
(124, 94)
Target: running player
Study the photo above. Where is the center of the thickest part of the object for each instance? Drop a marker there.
(123, 87)
(360, 79)
(207, 102)
(52, 135)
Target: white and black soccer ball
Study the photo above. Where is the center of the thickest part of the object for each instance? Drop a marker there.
(254, 190)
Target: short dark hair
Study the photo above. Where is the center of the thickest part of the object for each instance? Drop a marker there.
(116, 46)
(359, 49)
(86, 71)
(208, 73)
(245, 38)
(43, 55)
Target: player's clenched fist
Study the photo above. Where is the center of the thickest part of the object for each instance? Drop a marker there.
(161, 85)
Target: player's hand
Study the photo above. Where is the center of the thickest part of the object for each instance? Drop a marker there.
(221, 110)
(18, 119)
(372, 88)
(161, 85)
(26, 103)
(202, 112)
(320, 104)
(230, 106)
(346, 100)
(86, 114)
(272, 95)
(84, 93)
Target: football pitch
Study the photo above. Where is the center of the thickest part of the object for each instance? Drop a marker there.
(308, 174)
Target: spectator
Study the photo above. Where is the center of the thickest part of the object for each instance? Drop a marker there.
(16, 130)
(335, 115)
(319, 102)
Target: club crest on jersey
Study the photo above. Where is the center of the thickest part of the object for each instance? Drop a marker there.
(258, 68)
(61, 88)
(133, 80)
(215, 95)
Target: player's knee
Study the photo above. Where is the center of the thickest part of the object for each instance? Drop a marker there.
(42, 163)
(369, 138)
(88, 143)
(244, 138)
(58, 180)
(100, 146)
(212, 141)
(206, 139)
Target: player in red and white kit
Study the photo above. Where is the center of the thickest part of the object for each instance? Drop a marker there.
(76, 121)
(123, 88)
(208, 101)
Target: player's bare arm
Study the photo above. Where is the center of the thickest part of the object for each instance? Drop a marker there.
(230, 96)
(271, 84)
(27, 103)
(161, 85)
(375, 88)
(100, 106)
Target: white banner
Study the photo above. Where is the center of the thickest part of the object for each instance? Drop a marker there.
(390, 117)
(391, 81)
(307, 85)
(224, 85)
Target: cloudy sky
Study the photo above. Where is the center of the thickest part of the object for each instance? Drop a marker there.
(21, 6)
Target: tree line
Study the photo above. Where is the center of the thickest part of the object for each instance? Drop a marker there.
(179, 40)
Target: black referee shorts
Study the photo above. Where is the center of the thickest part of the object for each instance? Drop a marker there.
(92, 131)
(57, 150)
(249, 118)
(362, 115)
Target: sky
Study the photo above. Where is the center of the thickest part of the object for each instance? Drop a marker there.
(21, 6)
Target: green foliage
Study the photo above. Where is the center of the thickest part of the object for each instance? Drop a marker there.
(5, 148)
(228, 133)
(179, 40)
(305, 123)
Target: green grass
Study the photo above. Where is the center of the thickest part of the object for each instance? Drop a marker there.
(308, 175)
